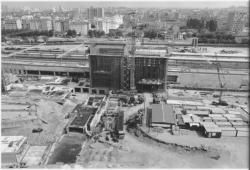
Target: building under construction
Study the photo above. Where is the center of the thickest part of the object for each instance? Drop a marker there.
(106, 60)
(112, 67)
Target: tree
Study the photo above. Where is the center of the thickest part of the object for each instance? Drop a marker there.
(115, 33)
(95, 33)
(152, 33)
(211, 25)
(90, 33)
(71, 33)
(93, 26)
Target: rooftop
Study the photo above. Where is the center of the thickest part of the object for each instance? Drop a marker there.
(163, 113)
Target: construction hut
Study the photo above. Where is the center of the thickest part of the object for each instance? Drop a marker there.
(161, 115)
(211, 130)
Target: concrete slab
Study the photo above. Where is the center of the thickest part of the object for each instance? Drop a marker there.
(34, 155)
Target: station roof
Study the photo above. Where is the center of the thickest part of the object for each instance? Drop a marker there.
(109, 43)
(163, 113)
(208, 59)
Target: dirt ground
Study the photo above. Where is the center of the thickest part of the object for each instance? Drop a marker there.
(50, 115)
(133, 152)
(144, 153)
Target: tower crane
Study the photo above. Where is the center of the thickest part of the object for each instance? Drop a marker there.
(221, 83)
(135, 27)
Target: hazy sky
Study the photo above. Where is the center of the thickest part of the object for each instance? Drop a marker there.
(143, 4)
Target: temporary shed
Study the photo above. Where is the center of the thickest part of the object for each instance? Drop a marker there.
(196, 121)
(198, 112)
(233, 112)
(211, 130)
(234, 119)
(228, 131)
(203, 108)
(230, 115)
(223, 124)
(215, 115)
(189, 107)
(180, 121)
(242, 132)
(163, 114)
(191, 120)
(187, 119)
(207, 119)
(239, 124)
(219, 119)
(217, 110)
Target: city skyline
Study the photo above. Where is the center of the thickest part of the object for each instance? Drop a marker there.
(129, 4)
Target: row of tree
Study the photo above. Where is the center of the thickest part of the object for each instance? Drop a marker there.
(115, 33)
(71, 33)
(96, 33)
(26, 33)
(199, 24)
(218, 37)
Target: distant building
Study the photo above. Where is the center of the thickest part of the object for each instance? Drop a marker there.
(61, 26)
(242, 37)
(95, 13)
(12, 24)
(107, 23)
(236, 21)
(26, 24)
(34, 24)
(45, 25)
(80, 27)
(100, 12)
(27, 17)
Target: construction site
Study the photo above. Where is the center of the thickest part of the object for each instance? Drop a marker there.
(118, 104)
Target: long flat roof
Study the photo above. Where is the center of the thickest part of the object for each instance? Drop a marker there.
(198, 58)
(163, 113)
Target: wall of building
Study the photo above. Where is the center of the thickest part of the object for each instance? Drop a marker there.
(105, 71)
(151, 69)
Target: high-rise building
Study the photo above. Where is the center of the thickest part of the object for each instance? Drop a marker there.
(80, 27)
(95, 13)
(61, 25)
(12, 24)
(100, 12)
(236, 21)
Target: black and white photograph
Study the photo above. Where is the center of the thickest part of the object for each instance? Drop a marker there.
(125, 84)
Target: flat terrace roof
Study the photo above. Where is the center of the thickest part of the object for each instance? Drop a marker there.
(211, 54)
(208, 71)
(106, 55)
(192, 58)
(106, 43)
(163, 113)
